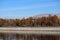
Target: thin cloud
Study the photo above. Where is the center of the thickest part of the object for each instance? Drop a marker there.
(30, 7)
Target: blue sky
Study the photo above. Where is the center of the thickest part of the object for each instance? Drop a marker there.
(26, 8)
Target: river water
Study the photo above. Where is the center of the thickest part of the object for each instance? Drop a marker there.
(33, 37)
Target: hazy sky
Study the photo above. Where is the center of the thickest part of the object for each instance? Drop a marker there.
(26, 8)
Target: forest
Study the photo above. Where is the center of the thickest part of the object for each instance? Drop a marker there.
(50, 21)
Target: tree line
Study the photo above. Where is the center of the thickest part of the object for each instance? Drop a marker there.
(50, 21)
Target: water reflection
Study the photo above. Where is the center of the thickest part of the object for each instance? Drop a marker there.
(34, 39)
(11, 37)
(1, 38)
(24, 37)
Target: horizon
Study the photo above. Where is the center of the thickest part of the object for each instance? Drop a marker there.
(37, 15)
(27, 8)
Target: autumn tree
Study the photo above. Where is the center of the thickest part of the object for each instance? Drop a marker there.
(23, 22)
(55, 20)
(1, 22)
(27, 22)
(38, 22)
(30, 21)
(18, 22)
